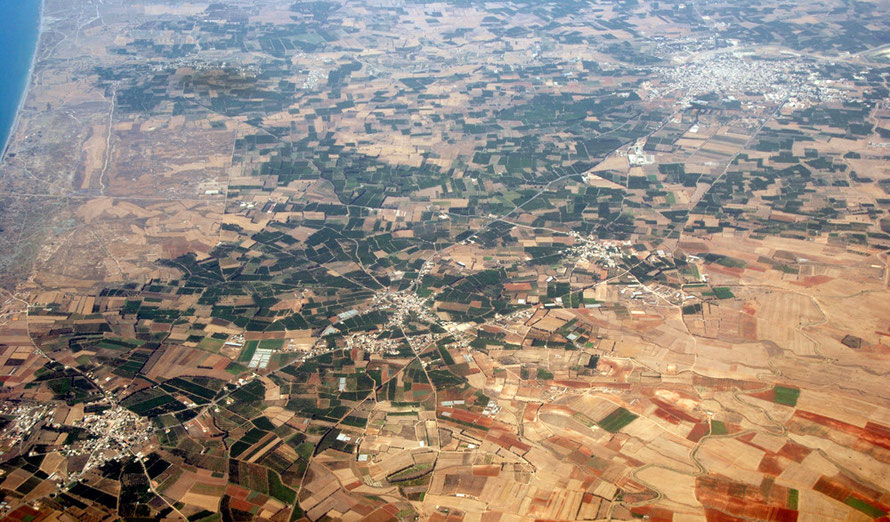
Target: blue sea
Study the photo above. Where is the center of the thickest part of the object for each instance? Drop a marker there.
(19, 29)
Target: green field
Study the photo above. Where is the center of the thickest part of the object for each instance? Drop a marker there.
(210, 344)
(544, 374)
(865, 507)
(248, 351)
(279, 490)
(692, 309)
(235, 368)
(786, 396)
(272, 344)
(617, 420)
(793, 498)
(731, 262)
(691, 271)
(144, 407)
(446, 356)
(723, 293)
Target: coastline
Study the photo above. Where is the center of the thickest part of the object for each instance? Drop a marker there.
(18, 112)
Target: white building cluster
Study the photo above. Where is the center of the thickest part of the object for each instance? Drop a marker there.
(590, 248)
(115, 433)
(734, 73)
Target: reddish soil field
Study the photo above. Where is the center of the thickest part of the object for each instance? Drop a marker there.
(491, 470)
(873, 433)
(811, 281)
(771, 465)
(507, 440)
(673, 411)
(531, 411)
(237, 503)
(383, 514)
(768, 395)
(654, 513)
(698, 431)
(735, 499)
(794, 451)
(236, 491)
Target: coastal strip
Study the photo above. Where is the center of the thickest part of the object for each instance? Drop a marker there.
(10, 132)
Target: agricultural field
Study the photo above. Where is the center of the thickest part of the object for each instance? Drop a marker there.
(459, 260)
